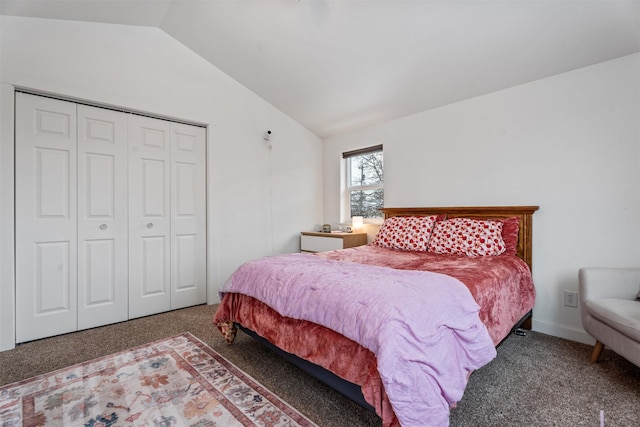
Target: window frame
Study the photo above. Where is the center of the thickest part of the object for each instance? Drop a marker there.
(346, 181)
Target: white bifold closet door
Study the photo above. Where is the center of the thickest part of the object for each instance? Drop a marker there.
(46, 217)
(167, 225)
(188, 216)
(102, 217)
(110, 216)
(71, 217)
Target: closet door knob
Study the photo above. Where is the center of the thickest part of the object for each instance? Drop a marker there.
(150, 225)
(103, 226)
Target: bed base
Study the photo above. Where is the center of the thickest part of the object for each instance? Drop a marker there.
(342, 386)
(348, 389)
(524, 323)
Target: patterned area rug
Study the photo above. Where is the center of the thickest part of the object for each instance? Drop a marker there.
(178, 381)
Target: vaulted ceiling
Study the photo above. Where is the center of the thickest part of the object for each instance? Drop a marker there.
(338, 65)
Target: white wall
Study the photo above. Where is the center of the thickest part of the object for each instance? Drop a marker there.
(258, 199)
(569, 143)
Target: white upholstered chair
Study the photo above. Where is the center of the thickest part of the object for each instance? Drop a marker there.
(610, 311)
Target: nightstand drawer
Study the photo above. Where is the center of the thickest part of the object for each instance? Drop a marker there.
(322, 242)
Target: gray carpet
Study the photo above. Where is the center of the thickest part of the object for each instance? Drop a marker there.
(536, 380)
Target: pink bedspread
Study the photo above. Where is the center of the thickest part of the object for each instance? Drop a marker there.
(501, 285)
(423, 327)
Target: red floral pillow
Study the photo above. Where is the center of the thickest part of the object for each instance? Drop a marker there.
(406, 233)
(465, 236)
(390, 233)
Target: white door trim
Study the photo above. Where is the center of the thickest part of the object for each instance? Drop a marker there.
(106, 106)
(7, 219)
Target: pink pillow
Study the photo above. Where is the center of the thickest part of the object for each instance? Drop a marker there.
(405, 233)
(510, 229)
(465, 236)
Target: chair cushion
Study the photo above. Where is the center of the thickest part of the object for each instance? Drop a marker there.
(622, 315)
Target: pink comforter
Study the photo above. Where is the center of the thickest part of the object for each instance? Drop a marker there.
(501, 285)
(430, 348)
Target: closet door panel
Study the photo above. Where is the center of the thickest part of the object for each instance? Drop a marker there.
(188, 216)
(53, 277)
(46, 250)
(185, 253)
(154, 253)
(149, 216)
(102, 217)
(52, 183)
(154, 191)
(99, 274)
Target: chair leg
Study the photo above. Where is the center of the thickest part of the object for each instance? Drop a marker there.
(597, 350)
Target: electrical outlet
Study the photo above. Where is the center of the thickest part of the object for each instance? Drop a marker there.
(571, 299)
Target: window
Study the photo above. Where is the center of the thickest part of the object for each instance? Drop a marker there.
(364, 173)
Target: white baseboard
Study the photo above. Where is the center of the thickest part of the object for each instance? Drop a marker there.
(561, 331)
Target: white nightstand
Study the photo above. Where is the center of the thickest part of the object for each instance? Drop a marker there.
(322, 242)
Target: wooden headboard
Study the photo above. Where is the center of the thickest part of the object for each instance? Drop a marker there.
(525, 213)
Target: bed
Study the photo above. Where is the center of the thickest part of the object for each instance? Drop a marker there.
(445, 307)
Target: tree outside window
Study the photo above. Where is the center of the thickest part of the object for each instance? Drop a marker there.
(365, 178)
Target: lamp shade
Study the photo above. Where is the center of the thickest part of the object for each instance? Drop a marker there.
(356, 222)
